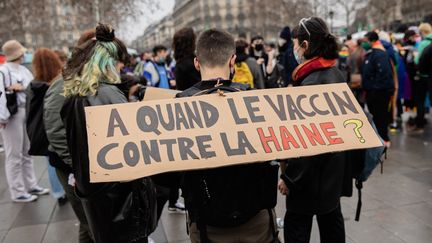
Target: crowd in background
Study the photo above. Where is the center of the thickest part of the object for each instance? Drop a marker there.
(41, 114)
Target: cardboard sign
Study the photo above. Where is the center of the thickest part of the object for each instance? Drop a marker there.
(133, 140)
(153, 93)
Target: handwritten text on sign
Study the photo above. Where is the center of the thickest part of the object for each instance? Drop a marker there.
(129, 141)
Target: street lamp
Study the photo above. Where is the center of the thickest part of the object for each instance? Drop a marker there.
(331, 15)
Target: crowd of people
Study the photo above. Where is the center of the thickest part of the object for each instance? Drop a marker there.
(42, 114)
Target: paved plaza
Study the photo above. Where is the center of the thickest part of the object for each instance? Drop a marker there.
(397, 205)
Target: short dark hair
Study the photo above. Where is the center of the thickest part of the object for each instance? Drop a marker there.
(372, 36)
(184, 43)
(257, 37)
(241, 46)
(215, 47)
(321, 42)
(158, 48)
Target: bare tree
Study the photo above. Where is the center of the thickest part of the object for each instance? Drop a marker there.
(350, 7)
(381, 11)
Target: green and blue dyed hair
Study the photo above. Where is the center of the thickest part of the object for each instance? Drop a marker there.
(94, 62)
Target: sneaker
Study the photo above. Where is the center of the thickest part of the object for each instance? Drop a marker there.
(150, 240)
(178, 207)
(25, 198)
(39, 191)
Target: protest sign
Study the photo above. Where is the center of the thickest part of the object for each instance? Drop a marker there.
(133, 140)
(153, 93)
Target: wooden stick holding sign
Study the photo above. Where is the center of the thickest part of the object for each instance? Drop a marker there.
(129, 141)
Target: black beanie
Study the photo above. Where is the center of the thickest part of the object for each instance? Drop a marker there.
(285, 33)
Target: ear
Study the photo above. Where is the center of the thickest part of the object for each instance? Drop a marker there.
(305, 44)
(232, 60)
(196, 64)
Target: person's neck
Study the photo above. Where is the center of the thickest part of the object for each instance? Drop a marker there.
(215, 73)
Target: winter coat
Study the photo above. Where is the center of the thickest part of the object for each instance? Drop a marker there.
(316, 183)
(186, 74)
(116, 212)
(34, 114)
(377, 73)
(54, 126)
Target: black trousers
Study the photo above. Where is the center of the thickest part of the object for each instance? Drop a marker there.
(421, 88)
(298, 227)
(378, 103)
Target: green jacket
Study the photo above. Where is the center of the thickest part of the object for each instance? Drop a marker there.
(55, 130)
(423, 44)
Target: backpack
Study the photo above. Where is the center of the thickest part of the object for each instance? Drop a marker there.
(228, 196)
(369, 160)
(243, 74)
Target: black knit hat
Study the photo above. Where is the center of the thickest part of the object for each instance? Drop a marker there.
(285, 33)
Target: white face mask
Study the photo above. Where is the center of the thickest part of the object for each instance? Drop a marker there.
(281, 41)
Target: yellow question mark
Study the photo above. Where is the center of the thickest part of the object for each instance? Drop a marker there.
(358, 124)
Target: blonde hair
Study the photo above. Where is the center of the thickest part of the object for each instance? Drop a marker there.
(425, 28)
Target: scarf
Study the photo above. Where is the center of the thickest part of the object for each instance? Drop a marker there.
(310, 66)
(378, 45)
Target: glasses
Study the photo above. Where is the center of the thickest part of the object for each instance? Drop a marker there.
(302, 24)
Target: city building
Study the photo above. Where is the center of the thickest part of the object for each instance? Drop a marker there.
(245, 17)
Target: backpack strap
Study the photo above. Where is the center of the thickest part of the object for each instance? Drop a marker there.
(273, 227)
(359, 186)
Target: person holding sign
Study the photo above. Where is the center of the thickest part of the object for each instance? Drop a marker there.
(313, 185)
(235, 203)
(116, 212)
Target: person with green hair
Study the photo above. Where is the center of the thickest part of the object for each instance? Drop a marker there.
(116, 212)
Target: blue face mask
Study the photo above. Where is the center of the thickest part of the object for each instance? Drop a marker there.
(297, 57)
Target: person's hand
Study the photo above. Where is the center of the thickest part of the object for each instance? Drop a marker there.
(283, 189)
(16, 88)
(173, 83)
(271, 54)
(2, 125)
(260, 61)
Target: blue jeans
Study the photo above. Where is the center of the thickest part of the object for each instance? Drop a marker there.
(57, 190)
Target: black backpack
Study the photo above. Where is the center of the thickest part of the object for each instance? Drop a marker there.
(228, 196)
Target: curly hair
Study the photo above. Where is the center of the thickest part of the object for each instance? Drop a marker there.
(93, 62)
(46, 65)
(184, 44)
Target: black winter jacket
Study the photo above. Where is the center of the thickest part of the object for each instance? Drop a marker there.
(34, 113)
(186, 74)
(116, 212)
(377, 73)
(316, 183)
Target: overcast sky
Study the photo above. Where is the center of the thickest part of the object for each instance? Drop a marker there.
(135, 28)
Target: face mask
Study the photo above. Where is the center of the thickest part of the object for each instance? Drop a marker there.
(281, 42)
(259, 47)
(297, 56)
(366, 45)
(161, 60)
